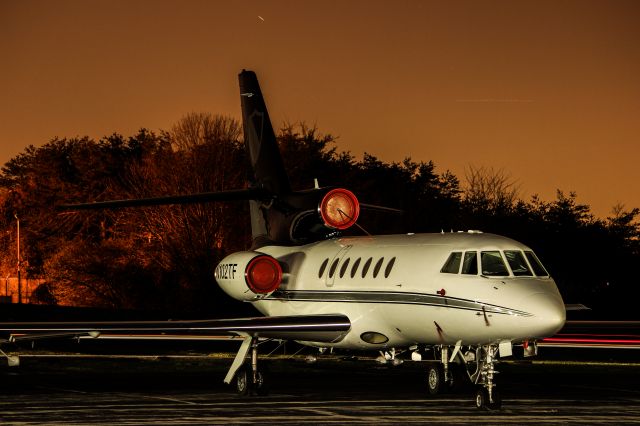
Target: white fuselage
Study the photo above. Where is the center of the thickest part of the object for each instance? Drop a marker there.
(408, 300)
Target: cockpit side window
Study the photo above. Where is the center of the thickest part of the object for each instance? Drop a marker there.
(470, 263)
(517, 263)
(452, 265)
(538, 269)
(493, 265)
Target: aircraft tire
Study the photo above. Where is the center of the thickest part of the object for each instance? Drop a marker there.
(435, 379)
(243, 381)
(262, 382)
(482, 399)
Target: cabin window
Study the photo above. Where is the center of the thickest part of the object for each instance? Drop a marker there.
(538, 269)
(365, 268)
(323, 267)
(344, 267)
(518, 265)
(376, 269)
(334, 265)
(354, 268)
(492, 264)
(452, 265)
(470, 263)
(389, 267)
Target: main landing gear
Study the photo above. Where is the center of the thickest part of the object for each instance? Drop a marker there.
(452, 373)
(448, 375)
(247, 377)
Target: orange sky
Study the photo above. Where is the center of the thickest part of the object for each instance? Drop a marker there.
(548, 91)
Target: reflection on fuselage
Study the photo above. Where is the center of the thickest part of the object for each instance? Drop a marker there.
(416, 289)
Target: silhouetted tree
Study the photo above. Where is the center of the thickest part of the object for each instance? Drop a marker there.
(159, 257)
(188, 240)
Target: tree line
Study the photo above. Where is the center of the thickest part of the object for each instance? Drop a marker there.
(163, 257)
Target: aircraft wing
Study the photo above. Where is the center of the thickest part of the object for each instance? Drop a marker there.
(315, 328)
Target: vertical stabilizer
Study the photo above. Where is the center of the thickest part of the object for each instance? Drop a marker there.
(263, 152)
(260, 139)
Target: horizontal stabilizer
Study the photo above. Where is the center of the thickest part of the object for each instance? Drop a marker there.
(204, 197)
(380, 208)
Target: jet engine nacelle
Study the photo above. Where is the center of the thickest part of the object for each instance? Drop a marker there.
(248, 275)
(339, 209)
(321, 213)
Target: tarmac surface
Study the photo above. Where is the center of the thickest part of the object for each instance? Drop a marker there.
(188, 390)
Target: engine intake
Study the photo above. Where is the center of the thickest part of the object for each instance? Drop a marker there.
(339, 209)
(263, 274)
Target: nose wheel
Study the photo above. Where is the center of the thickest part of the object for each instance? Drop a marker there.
(486, 402)
(487, 396)
(447, 375)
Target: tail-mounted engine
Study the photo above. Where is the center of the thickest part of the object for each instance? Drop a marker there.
(248, 275)
(339, 209)
(322, 213)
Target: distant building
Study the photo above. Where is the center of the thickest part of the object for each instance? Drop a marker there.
(9, 289)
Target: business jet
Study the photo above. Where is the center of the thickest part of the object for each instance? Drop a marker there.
(469, 297)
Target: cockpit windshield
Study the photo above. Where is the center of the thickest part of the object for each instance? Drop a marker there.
(470, 264)
(452, 265)
(536, 264)
(492, 262)
(517, 263)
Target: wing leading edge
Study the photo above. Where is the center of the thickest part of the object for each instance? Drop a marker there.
(315, 328)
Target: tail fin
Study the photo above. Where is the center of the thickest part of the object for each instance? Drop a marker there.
(263, 152)
(278, 215)
(259, 138)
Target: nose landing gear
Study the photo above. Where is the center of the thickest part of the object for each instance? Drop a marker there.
(487, 396)
(449, 375)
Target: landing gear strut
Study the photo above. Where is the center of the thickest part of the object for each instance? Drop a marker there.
(451, 373)
(248, 378)
(487, 396)
(448, 373)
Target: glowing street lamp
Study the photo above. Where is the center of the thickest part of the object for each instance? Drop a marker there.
(18, 249)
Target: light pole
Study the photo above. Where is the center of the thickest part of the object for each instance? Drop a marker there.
(18, 247)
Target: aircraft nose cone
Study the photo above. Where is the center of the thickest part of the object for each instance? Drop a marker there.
(549, 314)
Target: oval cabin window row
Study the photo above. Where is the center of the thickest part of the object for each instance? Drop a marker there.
(351, 269)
